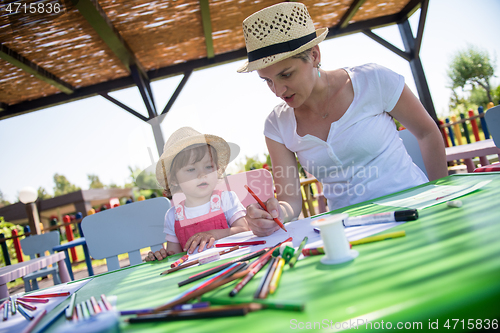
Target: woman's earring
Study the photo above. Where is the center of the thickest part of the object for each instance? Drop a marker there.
(319, 73)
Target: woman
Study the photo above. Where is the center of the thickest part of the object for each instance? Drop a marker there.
(338, 123)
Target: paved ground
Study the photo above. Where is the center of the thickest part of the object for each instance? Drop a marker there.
(80, 274)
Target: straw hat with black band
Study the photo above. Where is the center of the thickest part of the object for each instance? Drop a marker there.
(186, 137)
(278, 32)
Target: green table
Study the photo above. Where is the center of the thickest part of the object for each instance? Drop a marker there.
(445, 271)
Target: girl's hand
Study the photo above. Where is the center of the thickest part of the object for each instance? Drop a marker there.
(261, 222)
(200, 239)
(158, 255)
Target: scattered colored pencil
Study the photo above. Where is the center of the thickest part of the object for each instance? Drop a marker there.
(27, 306)
(276, 276)
(264, 207)
(106, 303)
(180, 261)
(197, 261)
(377, 238)
(71, 307)
(297, 253)
(24, 313)
(95, 306)
(241, 243)
(66, 293)
(264, 279)
(33, 300)
(265, 289)
(249, 276)
(34, 322)
(279, 305)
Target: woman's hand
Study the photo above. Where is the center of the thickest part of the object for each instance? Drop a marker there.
(200, 239)
(158, 255)
(261, 222)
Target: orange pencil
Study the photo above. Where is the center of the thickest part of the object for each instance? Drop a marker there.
(264, 206)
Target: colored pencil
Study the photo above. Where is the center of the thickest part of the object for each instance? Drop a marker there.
(216, 269)
(27, 306)
(180, 261)
(264, 279)
(241, 243)
(34, 322)
(33, 300)
(197, 261)
(95, 306)
(180, 307)
(6, 310)
(276, 276)
(12, 305)
(249, 276)
(379, 237)
(313, 251)
(106, 303)
(265, 289)
(205, 313)
(297, 253)
(90, 307)
(24, 313)
(264, 207)
(85, 310)
(79, 311)
(66, 293)
(71, 307)
(278, 305)
(199, 292)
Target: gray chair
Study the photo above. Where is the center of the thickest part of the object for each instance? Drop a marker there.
(38, 245)
(492, 117)
(126, 229)
(411, 144)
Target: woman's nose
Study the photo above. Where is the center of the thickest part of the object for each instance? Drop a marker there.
(279, 90)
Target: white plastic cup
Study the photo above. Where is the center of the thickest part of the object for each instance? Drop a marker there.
(337, 249)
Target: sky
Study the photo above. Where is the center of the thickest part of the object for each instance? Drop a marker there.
(94, 136)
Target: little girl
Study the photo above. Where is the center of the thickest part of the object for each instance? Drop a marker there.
(192, 163)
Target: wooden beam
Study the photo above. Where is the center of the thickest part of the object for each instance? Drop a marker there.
(97, 18)
(383, 42)
(26, 65)
(349, 14)
(421, 24)
(207, 27)
(123, 106)
(176, 93)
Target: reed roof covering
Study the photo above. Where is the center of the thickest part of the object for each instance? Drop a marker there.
(90, 46)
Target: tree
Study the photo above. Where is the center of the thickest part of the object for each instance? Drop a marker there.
(63, 186)
(95, 182)
(472, 66)
(42, 194)
(3, 202)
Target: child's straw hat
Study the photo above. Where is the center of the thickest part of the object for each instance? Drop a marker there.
(185, 137)
(278, 32)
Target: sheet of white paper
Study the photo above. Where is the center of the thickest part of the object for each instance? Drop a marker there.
(430, 195)
(297, 230)
(17, 322)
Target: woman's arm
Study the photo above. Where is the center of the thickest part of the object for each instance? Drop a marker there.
(412, 115)
(288, 205)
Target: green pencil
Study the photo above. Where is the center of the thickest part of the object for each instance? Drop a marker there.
(281, 305)
(298, 252)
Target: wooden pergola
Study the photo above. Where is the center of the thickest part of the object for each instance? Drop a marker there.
(84, 48)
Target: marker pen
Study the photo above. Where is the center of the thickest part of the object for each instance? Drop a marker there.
(397, 216)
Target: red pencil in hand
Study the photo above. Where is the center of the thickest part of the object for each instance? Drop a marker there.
(264, 206)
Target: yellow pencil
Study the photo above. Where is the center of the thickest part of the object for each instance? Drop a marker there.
(276, 277)
(378, 238)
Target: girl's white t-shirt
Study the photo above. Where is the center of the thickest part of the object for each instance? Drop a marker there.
(230, 204)
(363, 157)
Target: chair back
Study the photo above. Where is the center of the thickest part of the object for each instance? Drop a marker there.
(411, 144)
(38, 244)
(492, 117)
(259, 180)
(126, 229)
